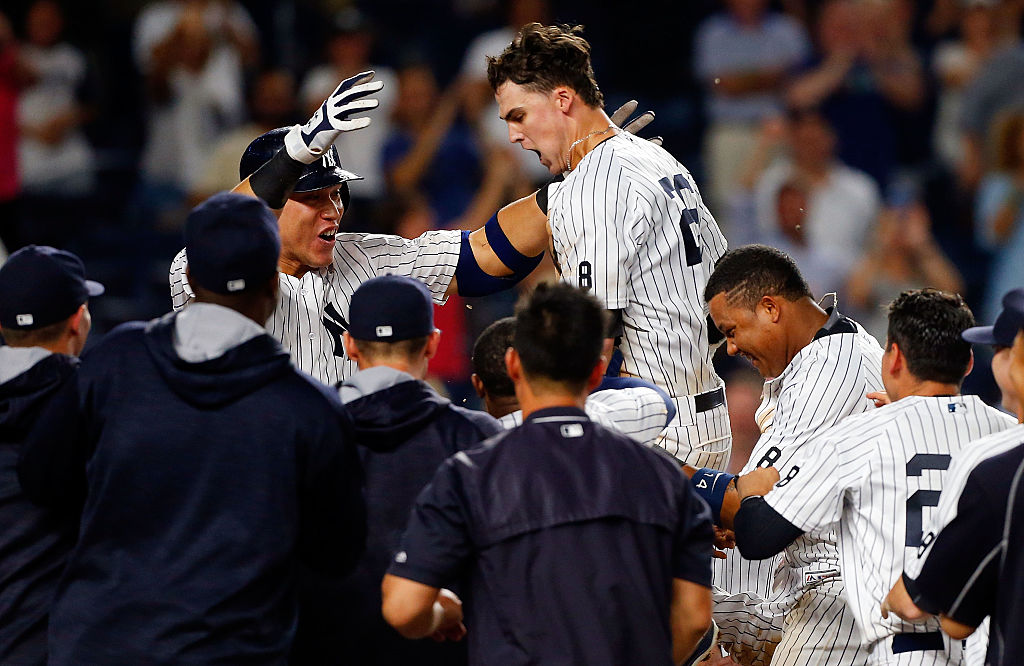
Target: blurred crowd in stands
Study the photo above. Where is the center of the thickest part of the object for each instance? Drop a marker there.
(879, 142)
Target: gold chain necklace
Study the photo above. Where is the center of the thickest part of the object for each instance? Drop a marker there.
(568, 154)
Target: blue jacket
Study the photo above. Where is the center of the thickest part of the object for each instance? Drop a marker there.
(204, 485)
(404, 430)
(34, 542)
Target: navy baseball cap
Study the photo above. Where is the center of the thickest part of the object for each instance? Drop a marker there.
(1009, 322)
(41, 285)
(390, 308)
(324, 172)
(232, 243)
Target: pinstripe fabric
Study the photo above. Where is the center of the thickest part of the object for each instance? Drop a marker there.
(637, 412)
(825, 382)
(961, 466)
(621, 224)
(312, 310)
(864, 473)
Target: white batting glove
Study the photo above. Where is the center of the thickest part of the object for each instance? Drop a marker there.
(306, 143)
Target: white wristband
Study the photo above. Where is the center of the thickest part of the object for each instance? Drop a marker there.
(297, 148)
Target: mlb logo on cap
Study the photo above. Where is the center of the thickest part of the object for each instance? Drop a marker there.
(41, 285)
(390, 308)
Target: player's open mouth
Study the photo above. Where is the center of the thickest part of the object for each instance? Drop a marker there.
(328, 236)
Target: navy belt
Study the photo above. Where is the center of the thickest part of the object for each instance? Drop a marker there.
(702, 402)
(931, 640)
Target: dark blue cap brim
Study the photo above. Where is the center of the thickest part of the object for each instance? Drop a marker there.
(318, 179)
(94, 288)
(981, 335)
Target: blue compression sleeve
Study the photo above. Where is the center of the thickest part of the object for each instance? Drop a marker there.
(711, 485)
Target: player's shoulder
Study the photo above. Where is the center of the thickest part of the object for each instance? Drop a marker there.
(626, 158)
(482, 422)
(988, 446)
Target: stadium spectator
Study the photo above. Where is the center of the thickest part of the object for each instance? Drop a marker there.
(993, 91)
(271, 104)
(12, 78)
(999, 216)
(865, 75)
(901, 256)
(842, 203)
(193, 55)
(480, 107)
(956, 63)
(55, 158)
(743, 57)
(348, 52)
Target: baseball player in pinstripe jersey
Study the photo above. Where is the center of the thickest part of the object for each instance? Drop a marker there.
(627, 223)
(1001, 336)
(298, 172)
(819, 367)
(878, 475)
(631, 406)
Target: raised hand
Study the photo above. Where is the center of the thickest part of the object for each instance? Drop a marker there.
(306, 143)
(620, 115)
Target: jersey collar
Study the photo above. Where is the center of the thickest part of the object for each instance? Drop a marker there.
(836, 323)
(559, 414)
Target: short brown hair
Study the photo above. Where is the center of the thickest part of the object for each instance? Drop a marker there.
(375, 350)
(542, 57)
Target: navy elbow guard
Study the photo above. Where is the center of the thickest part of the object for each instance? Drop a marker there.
(711, 485)
(472, 279)
(274, 181)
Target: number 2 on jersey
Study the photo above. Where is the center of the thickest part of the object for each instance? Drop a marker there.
(678, 185)
(922, 498)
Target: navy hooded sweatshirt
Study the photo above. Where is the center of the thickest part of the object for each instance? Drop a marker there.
(405, 430)
(34, 542)
(204, 484)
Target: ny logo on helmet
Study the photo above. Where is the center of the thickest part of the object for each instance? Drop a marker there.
(328, 160)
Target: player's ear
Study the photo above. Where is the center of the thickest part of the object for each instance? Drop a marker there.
(596, 375)
(769, 305)
(433, 341)
(478, 385)
(970, 364)
(350, 346)
(513, 365)
(563, 98)
(606, 354)
(895, 358)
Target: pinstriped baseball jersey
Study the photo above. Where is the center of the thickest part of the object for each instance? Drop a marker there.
(312, 310)
(961, 466)
(825, 382)
(629, 224)
(636, 411)
(879, 475)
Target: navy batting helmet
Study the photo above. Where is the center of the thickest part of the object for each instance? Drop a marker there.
(325, 172)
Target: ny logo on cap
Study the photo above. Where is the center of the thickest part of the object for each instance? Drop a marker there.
(24, 319)
(384, 332)
(328, 160)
